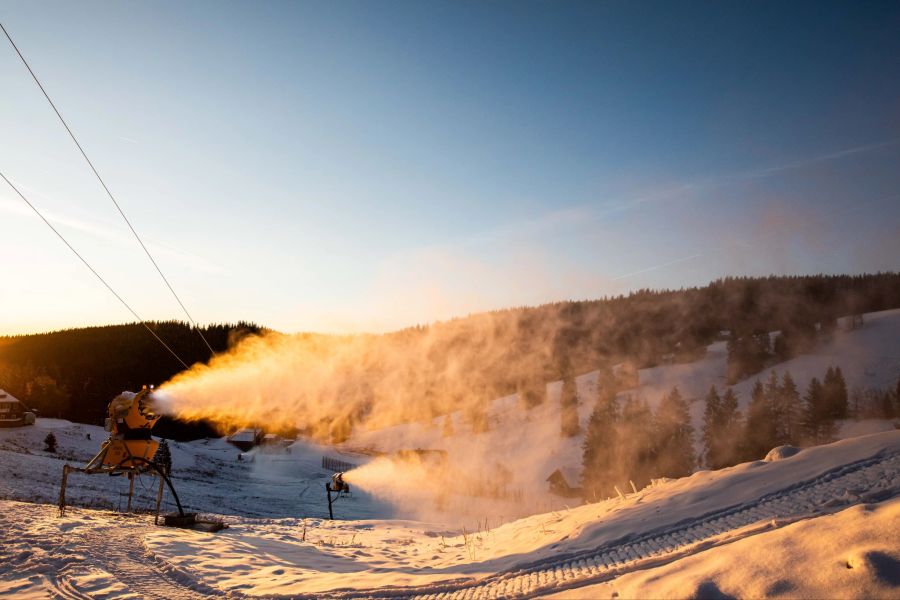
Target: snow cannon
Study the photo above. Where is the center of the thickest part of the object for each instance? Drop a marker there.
(130, 446)
(339, 488)
(130, 450)
(338, 484)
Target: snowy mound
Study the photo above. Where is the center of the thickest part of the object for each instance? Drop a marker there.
(781, 452)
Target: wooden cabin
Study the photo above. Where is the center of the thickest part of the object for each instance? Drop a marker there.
(13, 413)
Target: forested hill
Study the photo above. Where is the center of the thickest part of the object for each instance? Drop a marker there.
(74, 373)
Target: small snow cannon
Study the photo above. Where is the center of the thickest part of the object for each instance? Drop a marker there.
(129, 450)
(337, 486)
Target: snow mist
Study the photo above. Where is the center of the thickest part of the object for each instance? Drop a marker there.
(441, 379)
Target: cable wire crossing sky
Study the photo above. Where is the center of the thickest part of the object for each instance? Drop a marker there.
(368, 166)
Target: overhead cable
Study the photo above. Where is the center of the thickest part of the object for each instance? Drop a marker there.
(106, 188)
(92, 269)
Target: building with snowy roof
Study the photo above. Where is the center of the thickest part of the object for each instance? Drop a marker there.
(13, 413)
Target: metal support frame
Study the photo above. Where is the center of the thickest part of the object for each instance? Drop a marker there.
(92, 469)
(330, 501)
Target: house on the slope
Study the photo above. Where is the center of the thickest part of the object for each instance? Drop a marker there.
(559, 483)
(12, 412)
(246, 439)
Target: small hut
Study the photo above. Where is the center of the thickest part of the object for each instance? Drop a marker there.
(13, 413)
(246, 439)
(559, 483)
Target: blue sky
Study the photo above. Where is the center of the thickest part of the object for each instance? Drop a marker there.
(371, 165)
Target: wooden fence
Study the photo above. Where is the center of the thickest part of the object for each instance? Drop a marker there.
(336, 465)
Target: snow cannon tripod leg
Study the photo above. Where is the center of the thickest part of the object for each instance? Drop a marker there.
(130, 489)
(62, 491)
(330, 501)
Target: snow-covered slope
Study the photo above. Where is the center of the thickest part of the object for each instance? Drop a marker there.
(849, 554)
(711, 524)
(207, 475)
(529, 444)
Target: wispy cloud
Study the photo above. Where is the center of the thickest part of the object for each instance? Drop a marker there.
(105, 232)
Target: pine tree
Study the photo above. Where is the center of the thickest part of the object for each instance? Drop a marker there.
(730, 430)
(835, 393)
(887, 405)
(477, 417)
(676, 444)
(600, 447)
(447, 430)
(637, 448)
(789, 411)
(568, 407)
(773, 397)
(50, 443)
(812, 411)
(897, 398)
(532, 392)
(818, 424)
(839, 401)
(163, 457)
(712, 423)
(759, 431)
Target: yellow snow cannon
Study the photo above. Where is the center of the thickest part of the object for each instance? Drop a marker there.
(130, 446)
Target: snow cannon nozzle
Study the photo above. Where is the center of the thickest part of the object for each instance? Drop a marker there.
(338, 484)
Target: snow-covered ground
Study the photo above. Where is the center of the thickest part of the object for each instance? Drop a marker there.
(710, 533)
(207, 476)
(821, 522)
(529, 447)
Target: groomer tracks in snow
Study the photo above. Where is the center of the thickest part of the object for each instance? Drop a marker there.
(870, 480)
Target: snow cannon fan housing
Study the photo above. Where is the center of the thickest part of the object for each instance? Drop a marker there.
(131, 418)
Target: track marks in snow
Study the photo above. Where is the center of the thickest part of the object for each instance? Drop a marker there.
(867, 481)
(870, 480)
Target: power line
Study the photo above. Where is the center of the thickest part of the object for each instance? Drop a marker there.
(94, 271)
(108, 192)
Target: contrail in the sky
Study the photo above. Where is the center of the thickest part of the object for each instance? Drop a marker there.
(715, 182)
(818, 159)
(661, 266)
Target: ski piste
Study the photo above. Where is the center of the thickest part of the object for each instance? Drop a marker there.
(114, 545)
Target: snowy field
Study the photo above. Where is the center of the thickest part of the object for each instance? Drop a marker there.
(831, 512)
(823, 522)
(206, 473)
(528, 445)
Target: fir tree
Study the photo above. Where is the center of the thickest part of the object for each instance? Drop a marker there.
(447, 430)
(712, 423)
(676, 445)
(789, 411)
(835, 393)
(637, 448)
(477, 417)
(532, 392)
(163, 457)
(50, 443)
(897, 398)
(818, 425)
(759, 431)
(838, 402)
(773, 393)
(887, 405)
(730, 448)
(568, 407)
(600, 445)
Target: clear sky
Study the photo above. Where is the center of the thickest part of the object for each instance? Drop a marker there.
(370, 165)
